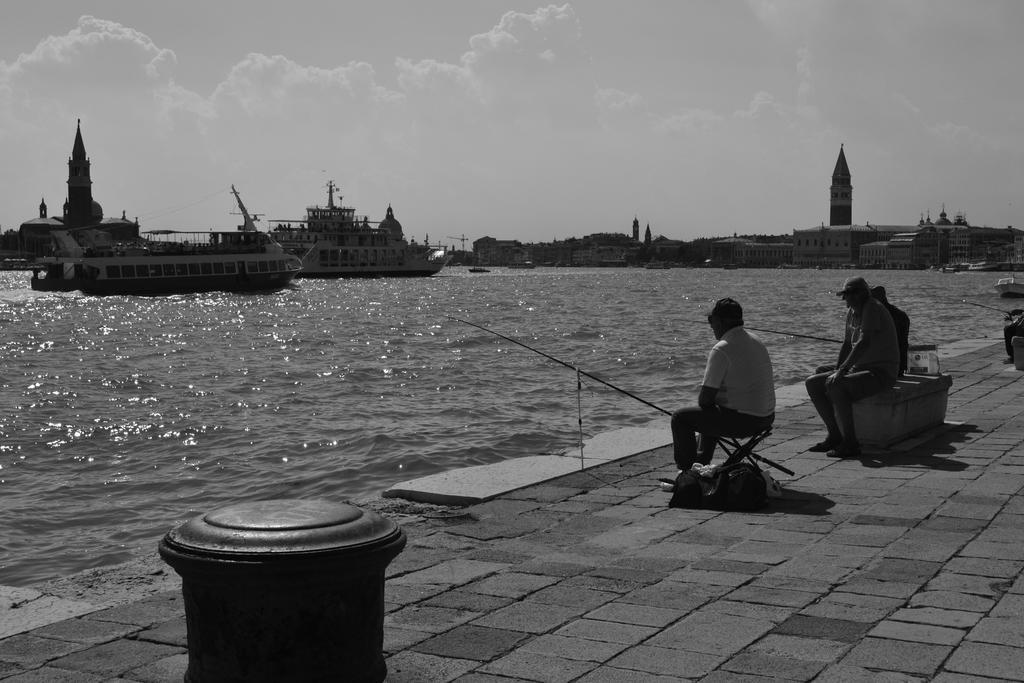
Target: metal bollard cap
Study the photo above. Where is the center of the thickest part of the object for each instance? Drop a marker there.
(284, 528)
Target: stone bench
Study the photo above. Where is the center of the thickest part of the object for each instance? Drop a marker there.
(917, 403)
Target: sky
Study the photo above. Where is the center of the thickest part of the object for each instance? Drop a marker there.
(518, 120)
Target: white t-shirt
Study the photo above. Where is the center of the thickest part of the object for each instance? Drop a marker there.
(739, 367)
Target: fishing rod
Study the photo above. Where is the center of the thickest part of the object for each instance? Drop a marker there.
(991, 308)
(562, 362)
(794, 334)
(579, 372)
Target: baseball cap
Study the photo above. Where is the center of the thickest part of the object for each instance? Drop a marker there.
(727, 309)
(854, 284)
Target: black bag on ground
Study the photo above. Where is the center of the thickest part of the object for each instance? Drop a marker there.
(735, 487)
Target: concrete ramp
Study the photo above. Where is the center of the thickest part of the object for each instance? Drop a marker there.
(471, 485)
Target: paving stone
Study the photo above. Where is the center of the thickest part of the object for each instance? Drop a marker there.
(800, 648)
(548, 568)
(937, 616)
(474, 642)
(774, 596)
(1011, 605)
(897, 655)
(952, 600)
(145, 612)
(641, 615)
(984, 659)
(529, 617)
(29, 650)
(397, 639)
(397, 595)
(899, 569)
(993, 551)
(987, 586)
(85, 631)
(112, 659)
(571, 596)
(887, 589)
(781, 668)
(610, 674)
(416, 667)
(173, 632)
(717, 564)
(715, 578)
(429, 619)
(537, 667)
(24, 609)
(49, 674)
(918, 633)
(170, 668)
(666, 662)
(467, 600)
(684, 597)
(510, 584)
(842, 630)
(627, 577)
(450, 573)
(711, 632)
(612, 632)
(844, 673)
(999, 631)
(570, 647)
(947, 677)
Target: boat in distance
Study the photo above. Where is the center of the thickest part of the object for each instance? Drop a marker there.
(333, 242)
(165, 262)
(1010, 287)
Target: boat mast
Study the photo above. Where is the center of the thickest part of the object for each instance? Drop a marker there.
(331, 187)
(247, 225)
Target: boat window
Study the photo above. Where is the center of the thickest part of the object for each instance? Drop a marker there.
(154, 270)
(251, 267)
(205, 268)
(264, 267)
(181, 269)
(221, 268)
(193, 269)
(113, 271)
(168, 269)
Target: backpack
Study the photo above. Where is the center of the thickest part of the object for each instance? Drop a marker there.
(736, 487)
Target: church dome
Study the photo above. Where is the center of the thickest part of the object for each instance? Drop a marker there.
(391, 224)
(97, 211)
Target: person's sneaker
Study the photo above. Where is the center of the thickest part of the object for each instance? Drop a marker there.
(845, 451)
(825, 446)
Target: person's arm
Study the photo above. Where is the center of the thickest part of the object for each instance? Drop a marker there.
(868, 329)
(706, 398)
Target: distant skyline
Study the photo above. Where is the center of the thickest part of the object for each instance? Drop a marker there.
(518, 120)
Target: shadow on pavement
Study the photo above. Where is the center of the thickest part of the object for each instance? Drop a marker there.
(797, 502)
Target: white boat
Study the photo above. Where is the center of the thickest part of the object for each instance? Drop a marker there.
(333, 242)
(522, 265)
(165, 261)
(1010, 287)
(983, 266)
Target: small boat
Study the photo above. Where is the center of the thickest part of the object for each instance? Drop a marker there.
(983, 266)
(523, 265)
(478, 269)
(333, 242)
(165, 262)
(1010, 287)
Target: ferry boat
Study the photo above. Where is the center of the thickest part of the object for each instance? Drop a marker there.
(165, 262)
(333, 242)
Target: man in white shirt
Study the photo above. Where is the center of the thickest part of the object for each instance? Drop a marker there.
(737, 396)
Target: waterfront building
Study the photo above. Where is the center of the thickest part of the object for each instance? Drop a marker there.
(874, 254)
(80, 209)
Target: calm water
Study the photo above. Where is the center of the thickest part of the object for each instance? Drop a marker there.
(122, 416)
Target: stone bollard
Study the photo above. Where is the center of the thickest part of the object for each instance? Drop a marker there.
(284, 590)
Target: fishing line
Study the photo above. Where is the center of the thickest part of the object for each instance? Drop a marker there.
(597, 379)
(793, 334)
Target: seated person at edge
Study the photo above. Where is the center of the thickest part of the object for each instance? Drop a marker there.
(1014, 328)
(902, 322)
(737, 396)
(868, 363)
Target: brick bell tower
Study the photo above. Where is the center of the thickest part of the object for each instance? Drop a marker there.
(841, 202)
(79, 209)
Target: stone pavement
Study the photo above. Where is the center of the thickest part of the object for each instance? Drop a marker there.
(901, 566)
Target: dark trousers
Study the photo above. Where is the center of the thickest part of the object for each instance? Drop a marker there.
(1009, 332)
(834, 403)
(711, 423)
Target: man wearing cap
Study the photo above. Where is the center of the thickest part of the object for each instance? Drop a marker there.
(868, 363)
(737, 395)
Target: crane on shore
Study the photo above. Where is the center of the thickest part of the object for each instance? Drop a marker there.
(463, 239)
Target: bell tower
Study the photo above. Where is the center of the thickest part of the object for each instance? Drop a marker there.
(79, 204)
(841, 201)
